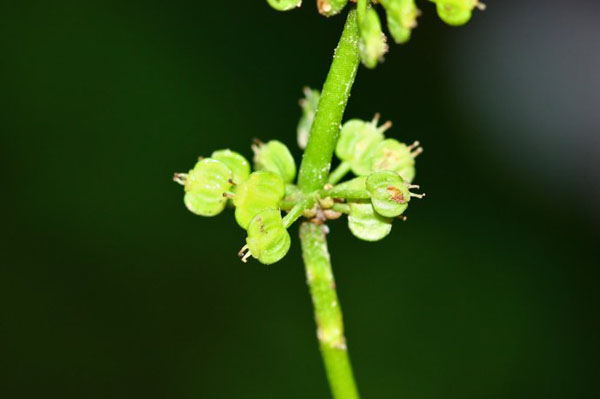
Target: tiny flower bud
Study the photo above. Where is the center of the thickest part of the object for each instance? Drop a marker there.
(401, 18)
(357, 142)
(268, 240)
(331, 7)
(204, 187)
(372, 45)
(309, 106)
(389, 193)
(456, 12)
(284, 5)
(263, 190)
(392, 155)
(366, 224)
(274, 156)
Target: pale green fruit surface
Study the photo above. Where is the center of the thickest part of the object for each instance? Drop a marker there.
(389, 193)
(274, 156)
(263, 190)
(205, 185)
(357, 141)
(392, 155)
(236, 162)
(366, 224)
(268, 240)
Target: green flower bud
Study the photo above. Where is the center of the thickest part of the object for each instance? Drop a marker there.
(401, 18)
(275, 157)
(284, 5)
(309, 105)
(372, 45)
(268, 240)
(263, 190)
(456, 12)
(236, 162)
(389, 193)
(392, 155)
(367, 225)
(357, 142)
(206, 187)
(331, 7)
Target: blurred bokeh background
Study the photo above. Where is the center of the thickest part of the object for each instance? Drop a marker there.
(110, 288)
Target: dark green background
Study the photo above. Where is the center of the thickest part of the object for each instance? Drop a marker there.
(109, 288)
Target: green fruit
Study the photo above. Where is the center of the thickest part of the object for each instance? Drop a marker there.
(389, 193)
(263, 190)
(274, 156)
(268, 240)
(331, 7)
(367, 225)
(205, 186)
(456, 12)
(372, 45)
(309, 105)
(392, 155)
(284, 5)
(401, 18)
(358, 139)
(236, 162)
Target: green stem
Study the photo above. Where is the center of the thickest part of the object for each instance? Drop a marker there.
(339, 172)
(328, 314)
(350, 190)
(312, 177)
(297, 210)
(342, 208)
(334, 97)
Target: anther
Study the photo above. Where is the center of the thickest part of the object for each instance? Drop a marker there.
(403, 218)
(419, 196)
(413, 186)
(414, 145)
(241, 252)
(385, 126)
(416, 152)
(232, 182)
(228, 194)
(245, 258)
(244, 253)
(376, 117)
(180, 178)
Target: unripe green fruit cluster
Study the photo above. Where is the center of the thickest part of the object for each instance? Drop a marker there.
(401, 16)
(363, 146)
(384, 168)
(380, 192)
(256, 196)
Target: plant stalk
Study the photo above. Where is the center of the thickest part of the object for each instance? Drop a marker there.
(325, 129)
(328, 314)
(313, 175)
